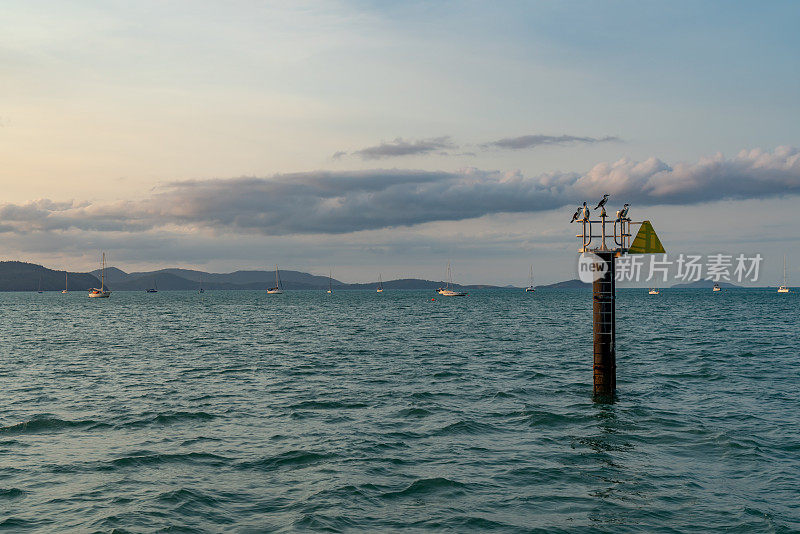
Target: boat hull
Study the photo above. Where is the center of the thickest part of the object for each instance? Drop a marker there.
(274, 292)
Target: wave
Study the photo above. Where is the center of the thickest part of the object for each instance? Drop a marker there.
(11, 493)
(467, 426)
(327, 405)
(147, 458)
(49, 423)
(428, 486)
(184, 495)
(414, 412)
(292, 458)
(168, 418)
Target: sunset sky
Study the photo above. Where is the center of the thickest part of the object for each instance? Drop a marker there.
(393, 136)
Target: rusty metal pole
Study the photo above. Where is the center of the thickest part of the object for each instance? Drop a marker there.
(605, 358)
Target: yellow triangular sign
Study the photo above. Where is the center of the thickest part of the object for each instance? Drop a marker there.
(646, 241)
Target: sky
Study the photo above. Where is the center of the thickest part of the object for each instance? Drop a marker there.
(383, 137)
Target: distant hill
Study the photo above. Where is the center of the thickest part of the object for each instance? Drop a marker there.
(567, 284)
(411, 283)
(22, 276)
(188, 279)
(704, 284)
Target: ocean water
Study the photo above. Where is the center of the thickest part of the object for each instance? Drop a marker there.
(247, 412)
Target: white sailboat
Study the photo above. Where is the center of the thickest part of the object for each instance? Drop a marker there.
(330, 282)
(278, 289)
(380, 284)
(716, 288)
(153, 289)
(784, 288)
(448, 291)
(102, 292)
(201, 290)
(66, 283)
(530, 288)
(654, 291)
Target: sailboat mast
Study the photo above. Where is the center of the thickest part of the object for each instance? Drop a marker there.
(66, 280)
(103, 273)
(449, 276)
(784, 269)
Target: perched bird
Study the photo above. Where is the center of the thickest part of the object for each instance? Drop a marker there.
(577, 213)
(585, 215)
(602, 202)
(624, 211)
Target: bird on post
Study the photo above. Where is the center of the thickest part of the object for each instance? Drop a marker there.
(585, 216)
(602, 202)
(623, 214)
(576, 215)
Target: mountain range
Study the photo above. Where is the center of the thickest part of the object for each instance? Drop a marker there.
(187, 279)
(22, 276)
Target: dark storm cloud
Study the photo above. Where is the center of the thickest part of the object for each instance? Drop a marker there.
(343, 202)
(533, 141)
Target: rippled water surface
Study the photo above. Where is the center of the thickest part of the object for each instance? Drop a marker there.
(247, 412)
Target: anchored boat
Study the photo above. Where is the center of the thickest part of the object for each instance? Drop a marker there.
(784, 288)
(447, 290)
(278, 289)
(102, 292)
(530, 288)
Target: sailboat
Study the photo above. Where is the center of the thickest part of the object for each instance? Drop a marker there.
(716, 288)
(278, 289)
(784, 288)
(40, 284)
(447, 290)
(66, 282)
(330, 282)
(653, 291)
(380, 284)
(201, 290)
(530, 288)
(102, 292)
(153, 289)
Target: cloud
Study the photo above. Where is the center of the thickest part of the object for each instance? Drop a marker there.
(533, 141)
(438, 145)
(402, 147)
(348, 201)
